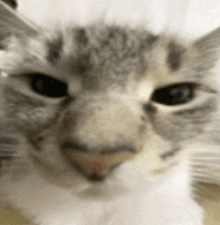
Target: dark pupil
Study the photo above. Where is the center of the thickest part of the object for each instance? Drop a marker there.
(47, 86)
(174, 95)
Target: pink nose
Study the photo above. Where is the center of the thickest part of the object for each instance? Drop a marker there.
(98, 164)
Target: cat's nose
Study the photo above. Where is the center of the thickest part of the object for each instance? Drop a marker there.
(96, 164)
(99, 164)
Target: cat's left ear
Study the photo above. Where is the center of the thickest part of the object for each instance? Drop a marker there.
(11, 3)
(13, 22)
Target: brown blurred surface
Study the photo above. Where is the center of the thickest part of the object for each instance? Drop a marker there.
(8, 216)
(210, 200)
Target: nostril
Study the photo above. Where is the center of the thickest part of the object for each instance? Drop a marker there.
(73, 146)
(97, 148)
(119, 149)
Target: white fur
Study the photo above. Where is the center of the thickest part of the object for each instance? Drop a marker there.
(159, 201)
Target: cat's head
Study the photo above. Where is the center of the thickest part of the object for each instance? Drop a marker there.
(99, 98)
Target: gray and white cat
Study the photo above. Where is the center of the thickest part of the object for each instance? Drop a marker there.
(108, 117)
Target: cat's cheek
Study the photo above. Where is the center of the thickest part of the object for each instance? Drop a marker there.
(182, 126)
(28, 114)
(50, 163)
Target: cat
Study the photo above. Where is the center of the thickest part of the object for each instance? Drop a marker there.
(108, 119)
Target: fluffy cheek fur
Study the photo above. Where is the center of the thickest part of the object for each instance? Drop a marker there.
(27, 114)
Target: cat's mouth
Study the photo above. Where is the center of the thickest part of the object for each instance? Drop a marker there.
(96, 167)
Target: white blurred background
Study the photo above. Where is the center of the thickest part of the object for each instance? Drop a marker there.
(187, 18)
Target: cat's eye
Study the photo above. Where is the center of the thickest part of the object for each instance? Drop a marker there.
(47, 86)
(174, 95)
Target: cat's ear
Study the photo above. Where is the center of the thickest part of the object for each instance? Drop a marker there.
(209, 43)
(205, 52)
(13, 22)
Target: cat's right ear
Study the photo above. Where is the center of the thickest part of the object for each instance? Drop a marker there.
(209, 43)
(205, 51)
(13, 22)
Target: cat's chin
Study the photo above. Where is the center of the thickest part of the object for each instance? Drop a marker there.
(118, 183)
(103, 191)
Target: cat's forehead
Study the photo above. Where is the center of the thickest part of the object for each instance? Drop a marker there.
(99, 46)
(112, 49)
(102, 54)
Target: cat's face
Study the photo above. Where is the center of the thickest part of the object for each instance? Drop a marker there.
(90, 100)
